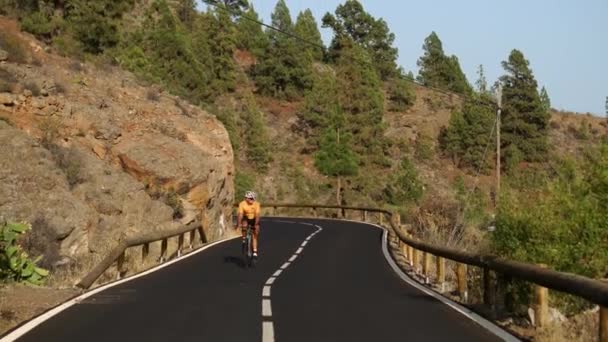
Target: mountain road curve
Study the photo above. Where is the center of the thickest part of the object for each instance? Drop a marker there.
(316, 280)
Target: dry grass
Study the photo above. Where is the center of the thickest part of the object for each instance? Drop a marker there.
(7, 81)
(10, 42)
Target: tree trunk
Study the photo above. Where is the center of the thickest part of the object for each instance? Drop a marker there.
(338, 191)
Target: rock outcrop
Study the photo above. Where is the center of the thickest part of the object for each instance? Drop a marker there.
(87, 155)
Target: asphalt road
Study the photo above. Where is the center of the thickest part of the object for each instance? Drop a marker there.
(333, 286)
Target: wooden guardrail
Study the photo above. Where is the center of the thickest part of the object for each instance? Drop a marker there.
(593, 290)
(117, 255)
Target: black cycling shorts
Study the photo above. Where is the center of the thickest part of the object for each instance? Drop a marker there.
(250, 222)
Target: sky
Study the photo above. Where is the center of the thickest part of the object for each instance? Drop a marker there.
(565, 40)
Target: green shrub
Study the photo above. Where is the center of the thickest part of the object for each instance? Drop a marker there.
(423, 150)
(15, 264)
(50, 131)
(401, 95)
(172, 199)
(563, 224)
(243, 182)
(41, 25)
(69, 162)
(405, 186)
(14, 46)
(7, 81)
(33, 87)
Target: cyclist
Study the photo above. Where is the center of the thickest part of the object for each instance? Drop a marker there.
(249, 214)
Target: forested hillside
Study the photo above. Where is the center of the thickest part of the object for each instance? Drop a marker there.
(345, 124)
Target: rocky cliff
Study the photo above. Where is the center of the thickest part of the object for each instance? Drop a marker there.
(87, 154)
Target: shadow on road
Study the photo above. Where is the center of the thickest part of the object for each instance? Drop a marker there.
(238, 261)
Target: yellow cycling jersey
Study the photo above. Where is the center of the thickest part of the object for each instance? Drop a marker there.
(249, 211)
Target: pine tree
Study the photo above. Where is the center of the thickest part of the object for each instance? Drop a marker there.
(439, 70)
(186, 12)
(258, 145)
(335, 157)
(353, 22)
(306, 28)
(283, 71)
(234, 6)
(481, 83)
(405, 185)
(250, 33)
(360, 95)
(223, 37)
(467, 135)
(320, 101)
(545, 100)
(525, 122)
(95, 23)
(162, 51)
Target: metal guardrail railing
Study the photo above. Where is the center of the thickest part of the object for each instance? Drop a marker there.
(593, 290)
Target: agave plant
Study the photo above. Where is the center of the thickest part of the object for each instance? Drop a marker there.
(15, 264)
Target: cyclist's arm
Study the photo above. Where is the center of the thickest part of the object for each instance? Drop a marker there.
(258, 213)
(239, 216)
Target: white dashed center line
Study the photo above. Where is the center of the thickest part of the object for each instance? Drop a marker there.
(267, 324)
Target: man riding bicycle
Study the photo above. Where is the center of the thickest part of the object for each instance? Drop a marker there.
(248, 214)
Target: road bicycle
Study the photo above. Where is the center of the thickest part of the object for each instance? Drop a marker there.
(247, 247)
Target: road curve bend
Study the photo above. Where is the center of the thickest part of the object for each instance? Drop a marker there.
(316, 280)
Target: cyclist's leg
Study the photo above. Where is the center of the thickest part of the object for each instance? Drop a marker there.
(256, 233)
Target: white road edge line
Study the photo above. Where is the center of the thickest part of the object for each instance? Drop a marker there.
(293, 257)
(285, 265)
(277, 273)
(491, 327)
(17, 333)
(270, 280)
(299, 250)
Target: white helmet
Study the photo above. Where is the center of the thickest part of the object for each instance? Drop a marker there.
(250, 194)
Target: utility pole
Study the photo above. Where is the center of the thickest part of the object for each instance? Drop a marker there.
(498, 113)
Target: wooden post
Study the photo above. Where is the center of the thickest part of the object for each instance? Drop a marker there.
(426, 266)
(541, 307)
(120, 263)
(180, 244)
(163, 250)
(192, 237)
(461, 273)
(441, 273)
(381, 219)
(314, 212)
(488, 289)
(364, 215)
(410, 255)
(343, 212)
(603, 324)
(415, 259)
(145, 250)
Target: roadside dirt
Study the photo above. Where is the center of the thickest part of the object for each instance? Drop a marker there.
(19, 303)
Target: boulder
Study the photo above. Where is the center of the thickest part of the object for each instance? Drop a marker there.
(42, 194)
(7, 99)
